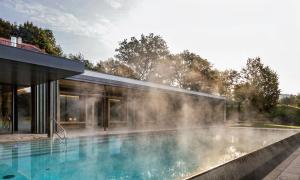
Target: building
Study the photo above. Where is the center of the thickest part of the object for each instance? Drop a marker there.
(39, 92)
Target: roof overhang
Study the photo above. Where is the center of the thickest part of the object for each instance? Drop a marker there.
(24, 67)
(106, 79)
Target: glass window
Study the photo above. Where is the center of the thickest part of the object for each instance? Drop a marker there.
(115, 110)
(24, 109)
(5, 109)
(69, 108)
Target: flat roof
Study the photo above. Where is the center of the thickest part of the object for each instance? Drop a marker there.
(24, 67)
(106, 79)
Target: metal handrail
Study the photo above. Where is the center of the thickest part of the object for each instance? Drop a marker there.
(59, 129)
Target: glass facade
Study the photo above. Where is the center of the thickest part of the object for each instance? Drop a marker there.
(69, 108)
(5, 109)
(115, 110)
(28, 109)
(80, 105)
(24, 105)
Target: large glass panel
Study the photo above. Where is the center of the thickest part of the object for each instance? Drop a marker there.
(115, 110)
(93, 111)
(5, 109)
(69, 108)
(24, 109)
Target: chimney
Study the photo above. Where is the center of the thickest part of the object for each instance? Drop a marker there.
(19, 40)
(13, 41)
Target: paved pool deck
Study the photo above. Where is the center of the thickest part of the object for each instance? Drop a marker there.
(289, 169)
(8, 138)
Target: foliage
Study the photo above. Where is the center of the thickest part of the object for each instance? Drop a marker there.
(31, 34)
(292, 100)
(171, 71)
(79, 57)
(259, 86)
(197, 74)
(142, 55)
(228, 80)
(115, 67)
(286, 115)
(7, 29)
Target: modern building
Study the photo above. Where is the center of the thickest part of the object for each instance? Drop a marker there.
(38, 92)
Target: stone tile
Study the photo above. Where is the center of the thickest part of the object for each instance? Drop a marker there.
(288, 169)
(297, 161)
(273, 175)
(4, 138)
(293, 170)
(288, 176)
(284, 164)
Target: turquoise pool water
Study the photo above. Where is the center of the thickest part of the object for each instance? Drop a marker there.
(163, 155)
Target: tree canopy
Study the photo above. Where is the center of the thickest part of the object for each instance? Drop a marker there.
(31, 34)
(114, 67)
(291, 100)
(79, 57)
(142, 55)
(259, 85)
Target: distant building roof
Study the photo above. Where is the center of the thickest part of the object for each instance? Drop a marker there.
(101, 78)
(26, 46)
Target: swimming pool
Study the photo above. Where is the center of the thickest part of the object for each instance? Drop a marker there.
(159, 155)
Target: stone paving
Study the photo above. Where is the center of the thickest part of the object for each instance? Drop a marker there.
(5, 138)
(289, 169)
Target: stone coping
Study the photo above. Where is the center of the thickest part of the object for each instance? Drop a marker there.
(255, 165)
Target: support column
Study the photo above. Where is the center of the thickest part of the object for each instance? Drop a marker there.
(52, 106)
(44, 107)
(14, 109)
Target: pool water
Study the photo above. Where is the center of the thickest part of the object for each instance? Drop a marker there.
(160, 155)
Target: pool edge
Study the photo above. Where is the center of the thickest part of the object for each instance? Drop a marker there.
(255, 165)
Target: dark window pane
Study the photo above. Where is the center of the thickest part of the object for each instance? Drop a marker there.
(69, 108)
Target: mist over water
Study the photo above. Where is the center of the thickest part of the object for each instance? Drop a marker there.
(201, 139)
(157, 155)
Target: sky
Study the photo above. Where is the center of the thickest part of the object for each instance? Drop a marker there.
(225, 32)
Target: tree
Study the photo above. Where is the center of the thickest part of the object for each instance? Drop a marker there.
(228, 80)
(259, 85)
(142, 55)
(115, 67)
(187, 70)
(79, 57)
(31, 34)
(199, 73)
(171, 71)
(42, 38)
(292, 100)
(6, 29)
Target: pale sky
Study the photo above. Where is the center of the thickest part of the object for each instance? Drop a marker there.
(226, 32)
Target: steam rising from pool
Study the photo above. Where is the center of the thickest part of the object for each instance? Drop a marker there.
(189, 135)
(158, 155)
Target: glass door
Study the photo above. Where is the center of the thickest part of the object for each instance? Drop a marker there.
(24, 107)
(5, 109)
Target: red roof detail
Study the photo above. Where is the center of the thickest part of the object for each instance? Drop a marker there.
(26, 46)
